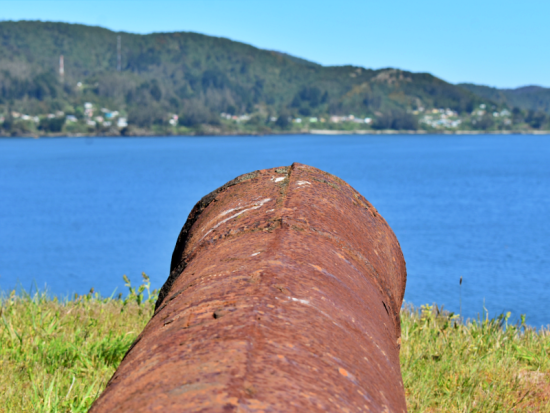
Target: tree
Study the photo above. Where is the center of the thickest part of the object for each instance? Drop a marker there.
(396, 120)
(51, 125)
(486, 122)
(535, 119)
(282, 121)
(195, 115)
(155, 91)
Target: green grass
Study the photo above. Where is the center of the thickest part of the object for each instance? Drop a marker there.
(57, 355)
(478, 366)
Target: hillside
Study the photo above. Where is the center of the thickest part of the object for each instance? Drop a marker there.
(534, 98)
(191, 83)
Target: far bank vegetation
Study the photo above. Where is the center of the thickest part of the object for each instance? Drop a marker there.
(67, 79)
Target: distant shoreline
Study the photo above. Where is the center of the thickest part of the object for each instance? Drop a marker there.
(423, 132)
(302, 132)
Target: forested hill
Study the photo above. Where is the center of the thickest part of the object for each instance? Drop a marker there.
(187, 80)
(535, 98)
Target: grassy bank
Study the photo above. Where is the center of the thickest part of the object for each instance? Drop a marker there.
(58, 355)
(477, 366)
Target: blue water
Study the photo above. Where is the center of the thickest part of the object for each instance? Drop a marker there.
(79, 213)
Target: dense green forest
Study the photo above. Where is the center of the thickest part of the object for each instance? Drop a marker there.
(168, 83)
(534, 100)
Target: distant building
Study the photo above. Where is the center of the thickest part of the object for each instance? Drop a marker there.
(111, 115)
(61, 66)
(173, 120)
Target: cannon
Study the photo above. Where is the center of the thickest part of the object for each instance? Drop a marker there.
(284, 295)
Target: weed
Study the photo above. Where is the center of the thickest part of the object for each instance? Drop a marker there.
(57, 355)
(481, 365)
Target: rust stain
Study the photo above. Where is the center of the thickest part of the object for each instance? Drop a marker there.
(284, 295)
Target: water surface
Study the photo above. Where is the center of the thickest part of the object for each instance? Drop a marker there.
(81, 212)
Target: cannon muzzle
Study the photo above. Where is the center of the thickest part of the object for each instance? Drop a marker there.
(284, 295)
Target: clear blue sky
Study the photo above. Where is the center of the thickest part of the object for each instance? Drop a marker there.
(502, 43)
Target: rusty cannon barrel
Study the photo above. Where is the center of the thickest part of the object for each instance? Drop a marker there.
(284, 296)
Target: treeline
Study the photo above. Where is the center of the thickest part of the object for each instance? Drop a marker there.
(521, 119)
(529, 98)
(197, 77)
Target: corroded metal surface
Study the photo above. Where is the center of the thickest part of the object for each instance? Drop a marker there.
(284, 296)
